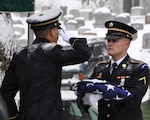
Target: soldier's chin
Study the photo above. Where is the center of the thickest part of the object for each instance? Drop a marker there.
(110, 52)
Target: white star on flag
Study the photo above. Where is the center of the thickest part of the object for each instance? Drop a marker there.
(97, 92)
(128, 93)
(110, 87)
(88, 84)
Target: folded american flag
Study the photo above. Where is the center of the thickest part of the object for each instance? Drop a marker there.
(109, 91)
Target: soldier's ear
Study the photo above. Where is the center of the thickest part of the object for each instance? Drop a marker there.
(127, 43)
(52, 32)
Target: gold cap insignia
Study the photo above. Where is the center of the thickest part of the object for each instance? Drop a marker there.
(55, 24)
(111, 24)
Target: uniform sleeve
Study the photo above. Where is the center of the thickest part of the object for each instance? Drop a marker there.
(139, 82)
(79, 53)
(9, 89)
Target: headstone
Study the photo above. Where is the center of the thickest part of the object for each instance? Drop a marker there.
(18, 30)
(101, 15)
(64, 11)
(80, 21)
(87, 14)
(83, 29)
(137, 19)
(71, 25)
(74, 12)
(138, 26)
(123, 17)
(89, 33)
(146, 41)
(67, 17)
(147, 19)
(137, 10)
(137, 16)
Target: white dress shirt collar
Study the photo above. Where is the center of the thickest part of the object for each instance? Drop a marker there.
(118, 61)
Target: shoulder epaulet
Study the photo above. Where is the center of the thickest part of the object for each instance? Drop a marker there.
(135, 61)
(103, 62)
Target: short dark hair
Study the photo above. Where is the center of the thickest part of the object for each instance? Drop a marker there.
(41, 33)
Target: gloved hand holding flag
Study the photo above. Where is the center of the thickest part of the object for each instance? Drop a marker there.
(106, 90)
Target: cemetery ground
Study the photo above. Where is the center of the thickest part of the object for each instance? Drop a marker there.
(146, 110)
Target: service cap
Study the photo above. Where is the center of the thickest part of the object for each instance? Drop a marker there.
(117, 30)
(45, 19)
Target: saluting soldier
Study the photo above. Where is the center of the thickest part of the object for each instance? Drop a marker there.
(35, 71)
(124, 71)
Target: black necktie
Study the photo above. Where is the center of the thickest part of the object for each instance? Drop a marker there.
(114, 66)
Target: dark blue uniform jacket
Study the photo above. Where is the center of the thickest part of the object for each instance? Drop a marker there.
(133, 75)
(36, 72)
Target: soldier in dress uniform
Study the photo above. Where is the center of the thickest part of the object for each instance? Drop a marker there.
(35, 70)
(129, 73)
(3, 109)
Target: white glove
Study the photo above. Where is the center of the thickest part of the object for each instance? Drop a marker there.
(91, 99)
(95, 80)
(66, 35)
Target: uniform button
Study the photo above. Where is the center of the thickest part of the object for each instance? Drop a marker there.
(108, 105)
(108, 115)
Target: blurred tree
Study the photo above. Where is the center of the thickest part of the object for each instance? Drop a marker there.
(7, 43)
